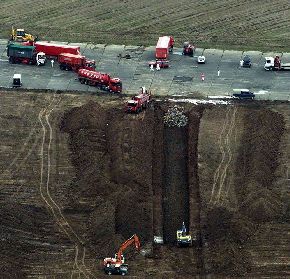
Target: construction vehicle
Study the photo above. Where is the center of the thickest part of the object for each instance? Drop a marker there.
(243, 94)
(164, 46)
(101, 80)
(74, 62)
(117, 264)
(188, 49)
(19, 35)
(54, 50)
(182, 238)
(139, 102)
(18, 53)
(275, 64)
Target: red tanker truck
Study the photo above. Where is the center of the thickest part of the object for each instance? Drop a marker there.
(164, 46)
(54, 50)
(101, 80)
(74, 62)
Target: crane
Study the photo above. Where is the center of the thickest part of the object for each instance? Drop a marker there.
(117, 264)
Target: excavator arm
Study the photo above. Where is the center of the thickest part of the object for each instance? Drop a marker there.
(133, 239)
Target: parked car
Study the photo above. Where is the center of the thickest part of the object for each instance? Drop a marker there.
(244, 94)
(112, 270)
(201, 59)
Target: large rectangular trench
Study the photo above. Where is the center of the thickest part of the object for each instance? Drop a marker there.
(175, 182)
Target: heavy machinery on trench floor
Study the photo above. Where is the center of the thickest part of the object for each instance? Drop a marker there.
(182, 238)
(117, 264)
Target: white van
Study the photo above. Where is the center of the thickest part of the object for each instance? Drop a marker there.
(17, 80)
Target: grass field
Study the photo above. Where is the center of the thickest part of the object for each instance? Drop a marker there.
(228, 24)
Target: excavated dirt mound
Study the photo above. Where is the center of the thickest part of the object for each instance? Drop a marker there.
(241, 196)
(83, 176)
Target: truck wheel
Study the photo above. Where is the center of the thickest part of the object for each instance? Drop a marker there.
(123, 273)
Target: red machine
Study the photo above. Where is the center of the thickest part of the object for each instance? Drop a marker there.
(119, 258)
(54, 50)
(162, 63)
(68, 62)
(102, 80)
(139, 102)
(164, 46)
(188, 49)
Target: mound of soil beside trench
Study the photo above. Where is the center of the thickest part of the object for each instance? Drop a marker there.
(112, 156)
(242, 180)
(128, 176)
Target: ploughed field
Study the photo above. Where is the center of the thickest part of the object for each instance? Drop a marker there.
(79, 176)
(228, 24)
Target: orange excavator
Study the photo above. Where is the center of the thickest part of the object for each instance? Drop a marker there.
(117, 264)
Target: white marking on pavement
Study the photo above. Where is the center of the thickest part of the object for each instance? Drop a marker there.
(262, 92)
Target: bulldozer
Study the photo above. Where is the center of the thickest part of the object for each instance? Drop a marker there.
(19, 35)
(182, 238)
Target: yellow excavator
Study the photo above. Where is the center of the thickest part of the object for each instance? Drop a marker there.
(182, 237)
(19, 35)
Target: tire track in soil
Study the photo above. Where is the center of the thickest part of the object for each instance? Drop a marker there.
(221, 145)
(226, 153)
(21, 151)
(79, 261)
(229, 154)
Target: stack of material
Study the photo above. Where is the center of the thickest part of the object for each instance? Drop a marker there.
(175, 117)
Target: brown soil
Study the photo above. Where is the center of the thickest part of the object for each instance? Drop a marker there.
(99, 175)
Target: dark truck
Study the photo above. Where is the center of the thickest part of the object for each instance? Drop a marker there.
(244, 94)
(18, 53)
(114, 270)
(246, 62)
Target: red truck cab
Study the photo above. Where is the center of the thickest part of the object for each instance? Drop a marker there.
(138, 102)
(115, 85)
